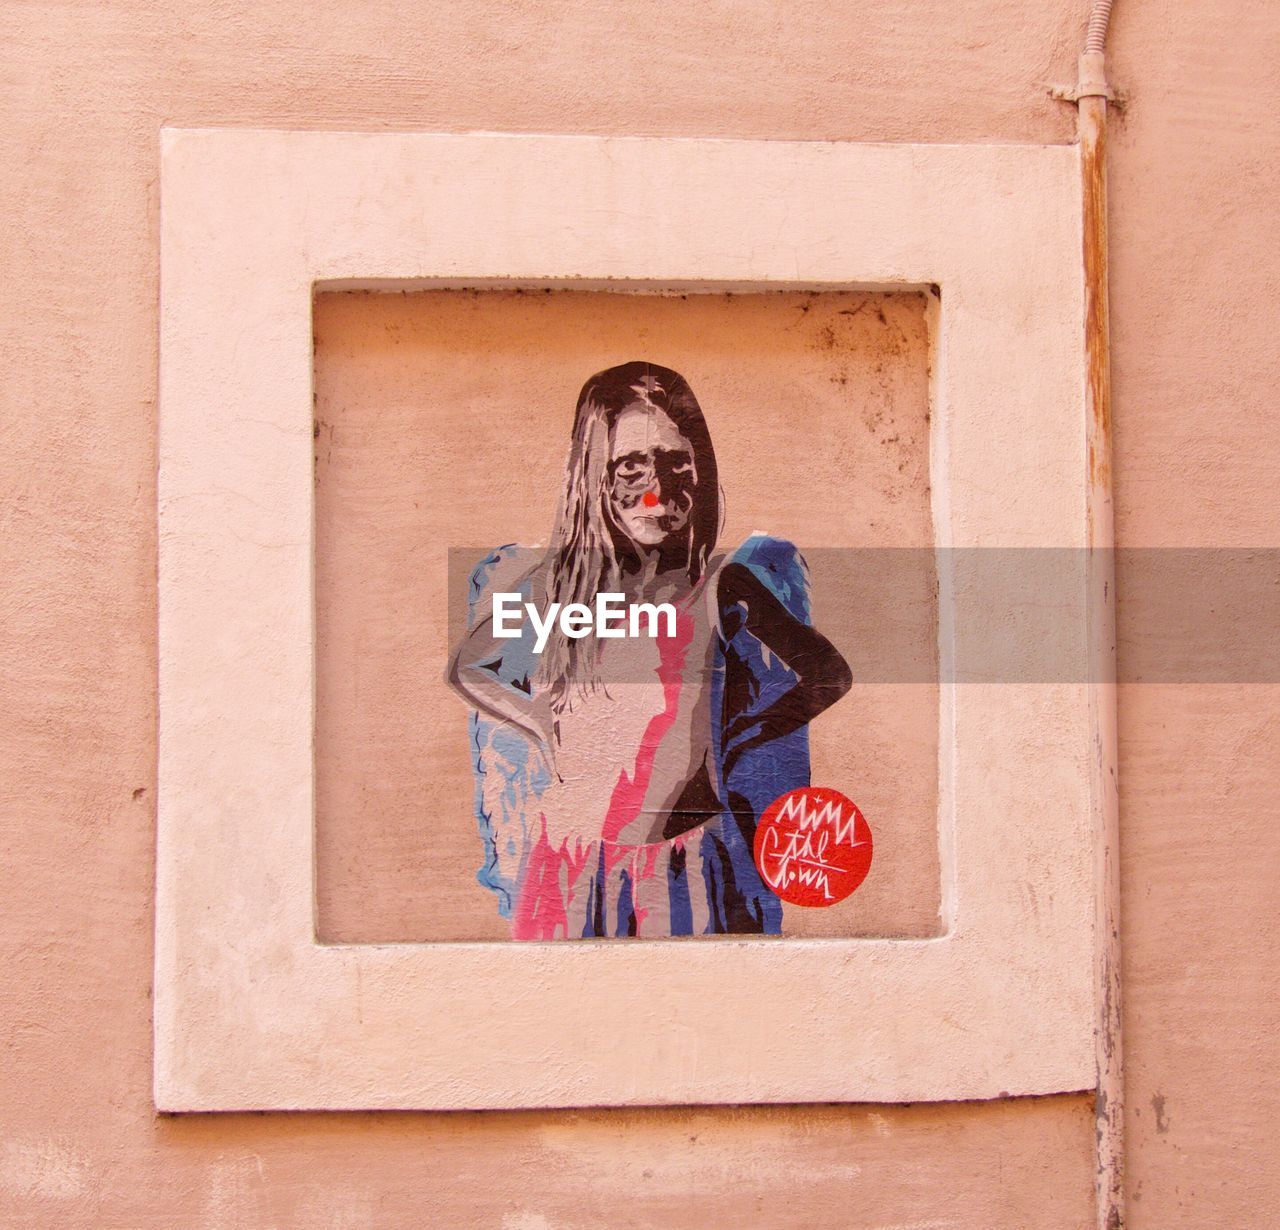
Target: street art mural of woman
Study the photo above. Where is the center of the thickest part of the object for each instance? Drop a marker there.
(620, 777)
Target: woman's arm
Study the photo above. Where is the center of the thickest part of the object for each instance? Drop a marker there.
(822, 674)
(475, 674)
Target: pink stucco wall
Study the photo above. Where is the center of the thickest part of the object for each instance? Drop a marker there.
(1195, 268)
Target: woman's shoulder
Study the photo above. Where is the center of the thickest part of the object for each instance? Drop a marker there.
(506, 569)
(763, 560)
(769, 553)
(775, 562)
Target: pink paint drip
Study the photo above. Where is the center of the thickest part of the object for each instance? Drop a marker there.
(542, 906)
(628, 794)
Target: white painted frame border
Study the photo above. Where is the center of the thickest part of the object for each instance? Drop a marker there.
(250, 1011)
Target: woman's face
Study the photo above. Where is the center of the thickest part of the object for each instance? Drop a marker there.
(652, 476)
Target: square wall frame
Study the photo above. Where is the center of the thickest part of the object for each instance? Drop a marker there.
(251, 1012)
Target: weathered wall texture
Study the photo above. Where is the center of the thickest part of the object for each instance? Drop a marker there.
(1194, 180)
(1195, 275)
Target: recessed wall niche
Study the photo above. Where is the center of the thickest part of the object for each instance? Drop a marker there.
(252, 222)
(442, 427)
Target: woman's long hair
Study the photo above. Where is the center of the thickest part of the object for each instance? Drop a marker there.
(589, 551)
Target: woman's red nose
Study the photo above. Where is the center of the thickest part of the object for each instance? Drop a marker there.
(649, 500)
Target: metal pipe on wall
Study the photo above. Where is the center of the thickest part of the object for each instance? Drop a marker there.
(1091, 96)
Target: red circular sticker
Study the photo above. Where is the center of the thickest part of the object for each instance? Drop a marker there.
(813, 846)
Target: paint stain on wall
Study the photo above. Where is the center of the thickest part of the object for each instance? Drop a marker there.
(44, 1169)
